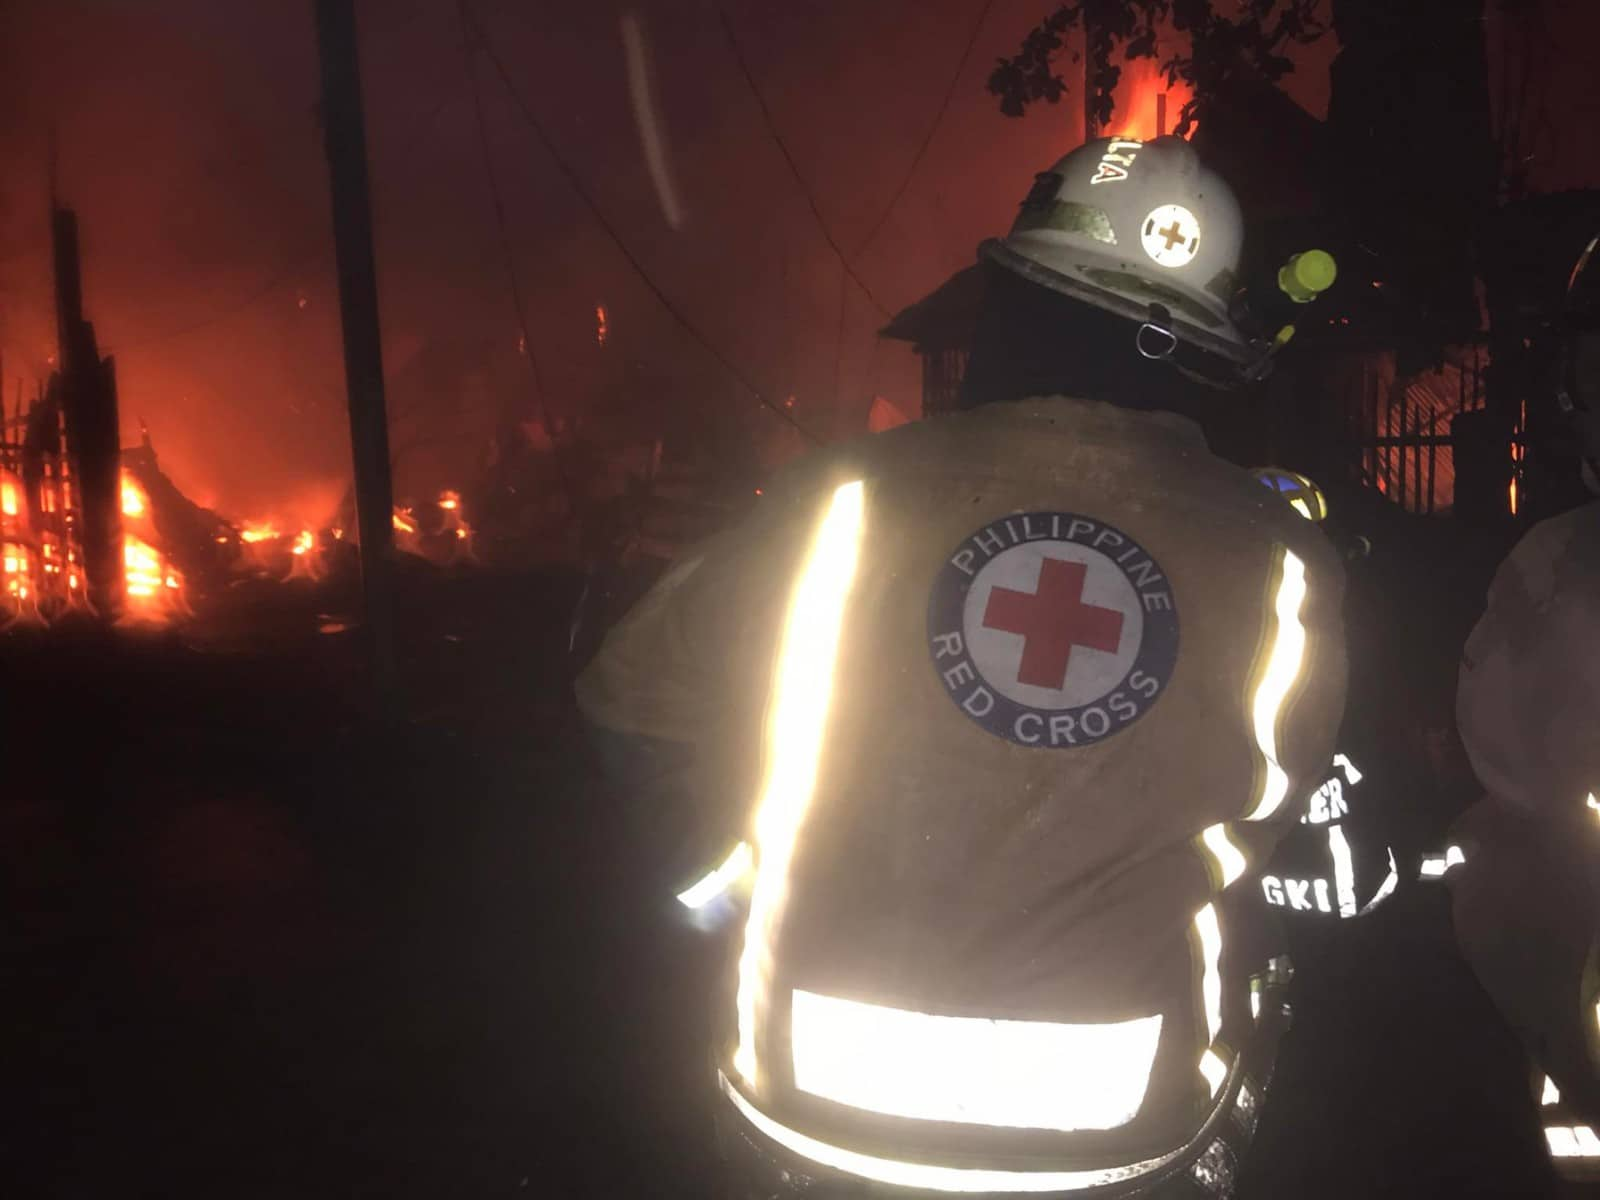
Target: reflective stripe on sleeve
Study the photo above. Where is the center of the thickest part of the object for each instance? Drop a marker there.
(1284, 659)
(718, 881)
(1572, 1141)
(796, 723)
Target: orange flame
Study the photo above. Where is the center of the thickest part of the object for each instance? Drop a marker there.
(303, 541)
(1148, 106)
(600, 324)
(151, 583)
(450, 501)
(142, 567)
(251, 534)
(8, 498)
(404, 521)
(133, 504)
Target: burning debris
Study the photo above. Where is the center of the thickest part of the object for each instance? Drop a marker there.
(437, 531)
(42, 562)
(305, 557)
(152, 585)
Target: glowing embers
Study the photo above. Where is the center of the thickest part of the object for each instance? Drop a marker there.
(1284, 660)
(796, 720)
(18, 579)
(142, 566)
(1015, 1074)
(720, 881)
(454, 527)
(930, 1176)
(1572, 1141)
(305, 557)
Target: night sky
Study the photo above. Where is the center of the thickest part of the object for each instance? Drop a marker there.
(187, 141)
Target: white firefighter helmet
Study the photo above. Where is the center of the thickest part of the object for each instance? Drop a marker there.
(1126, 225)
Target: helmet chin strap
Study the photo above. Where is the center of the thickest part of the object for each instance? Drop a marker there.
(1156, 341)
(1165, 340)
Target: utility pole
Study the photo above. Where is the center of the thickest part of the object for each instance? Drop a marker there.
(344, 139)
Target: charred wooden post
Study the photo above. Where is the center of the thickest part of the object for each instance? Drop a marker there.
(85, 387)
(344, 134)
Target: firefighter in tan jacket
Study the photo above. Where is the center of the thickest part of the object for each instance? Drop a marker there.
(991, 710)
(1523, 865)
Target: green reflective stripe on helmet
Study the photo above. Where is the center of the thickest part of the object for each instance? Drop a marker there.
(1066, 216)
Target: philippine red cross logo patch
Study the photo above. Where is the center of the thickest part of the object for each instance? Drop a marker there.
(1052, 629)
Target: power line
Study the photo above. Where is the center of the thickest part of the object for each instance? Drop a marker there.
(541, 396)
(249, 300)
(938, 118)
(794, 169)
(838, 340)
(286, 272)
(500, 222)
(577, 185)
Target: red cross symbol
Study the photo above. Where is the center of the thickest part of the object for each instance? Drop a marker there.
(1173, 233)
(1052, 621)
